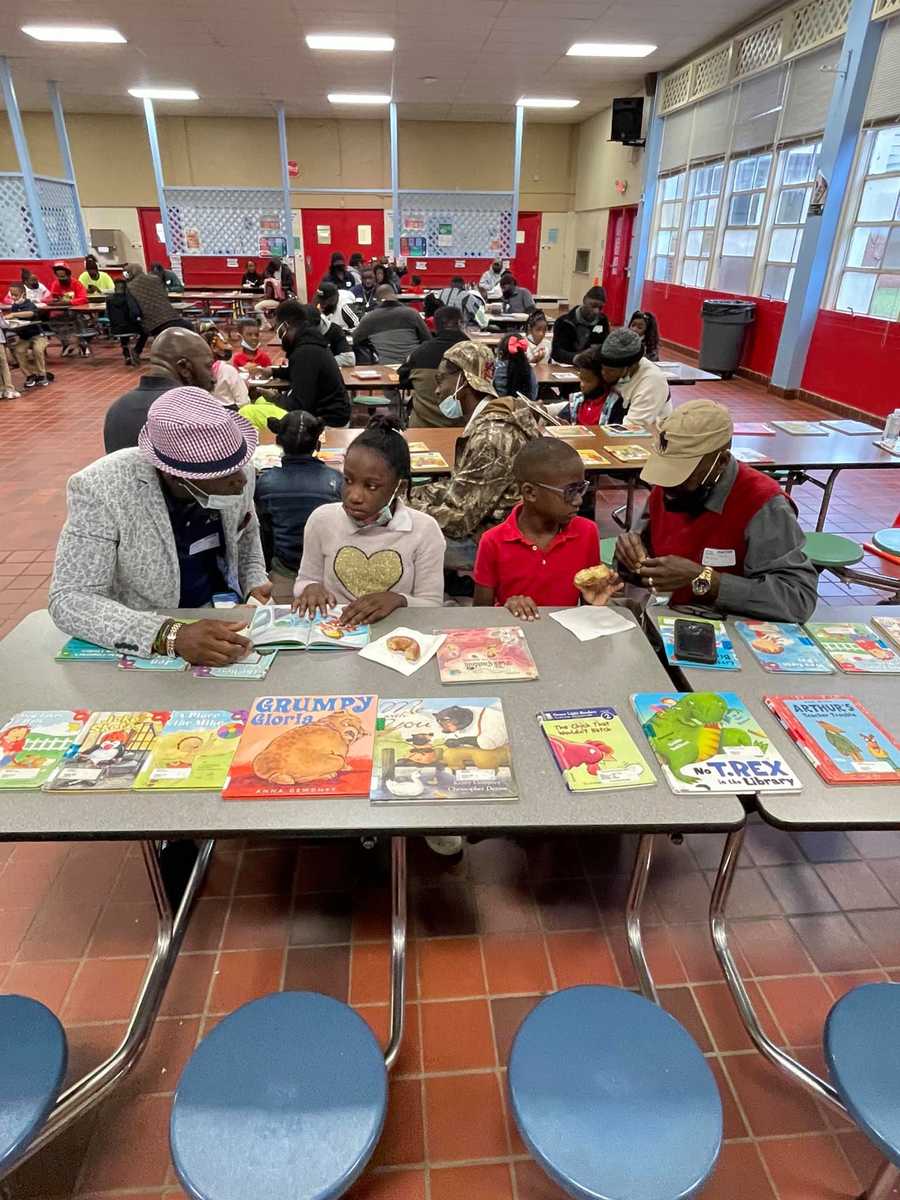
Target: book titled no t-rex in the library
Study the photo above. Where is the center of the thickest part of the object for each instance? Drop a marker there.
(108, 753)
(302, 746)
(33, 742)
(840, 737)
(594, 750)
(485, 656)
(194, 750)
(446, 749)
(709, 742)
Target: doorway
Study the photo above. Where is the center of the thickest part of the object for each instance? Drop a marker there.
(615, 265)
(327, 230)
(152, 237)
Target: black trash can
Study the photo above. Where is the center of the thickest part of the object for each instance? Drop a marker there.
(725, 324)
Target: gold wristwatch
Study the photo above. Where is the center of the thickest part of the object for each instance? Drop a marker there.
(702, 583)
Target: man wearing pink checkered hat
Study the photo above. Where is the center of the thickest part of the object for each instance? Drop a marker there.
(165, 525)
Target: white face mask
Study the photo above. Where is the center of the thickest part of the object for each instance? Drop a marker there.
(383, 517)
(451, 407)
(215, 503)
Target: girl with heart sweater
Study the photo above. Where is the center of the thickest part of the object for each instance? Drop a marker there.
(371, 553)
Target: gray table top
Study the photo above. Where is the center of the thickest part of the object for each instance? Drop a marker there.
(820, 453)
(820, 805)
(572, 674)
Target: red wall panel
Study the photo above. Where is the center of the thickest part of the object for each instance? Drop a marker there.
(199, 270)
(11, 270)
(856, 361)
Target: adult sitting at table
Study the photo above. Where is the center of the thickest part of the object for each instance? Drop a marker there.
(123, 318)
(515, 299)
(316, 381)
(715, 531)
(282, 273)
(168, 524)
(167, 277)
(392, 327)
(418, 372)
(338, 273)
(94, 281)
(251, 280)
(287, 496)
(365, 289)
(69, 294)
(482, 491)
(149, 293)
(582, 326)
(639, 392)
(179, 358)
(489, 283)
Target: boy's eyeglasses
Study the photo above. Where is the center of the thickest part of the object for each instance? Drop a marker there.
(572, 493)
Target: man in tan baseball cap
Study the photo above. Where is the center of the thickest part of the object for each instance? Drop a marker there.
(716, 532)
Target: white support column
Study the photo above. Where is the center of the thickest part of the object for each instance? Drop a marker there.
(65, 154)
(396, 221)
(153, 139)
(517, 175)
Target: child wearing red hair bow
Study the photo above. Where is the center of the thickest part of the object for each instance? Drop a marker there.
(513, 373)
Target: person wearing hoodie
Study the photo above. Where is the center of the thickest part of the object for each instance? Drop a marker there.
(418, 372)
(393, 328)
(482, 490)
(338, 273)
(316, 382)
(149, 293)
(580, 327)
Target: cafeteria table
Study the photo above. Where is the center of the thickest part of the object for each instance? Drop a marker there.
(819, 806)
(386, 376)
(571, 674)
(677, 374)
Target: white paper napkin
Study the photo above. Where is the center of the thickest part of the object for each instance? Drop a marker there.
(588, 622)
(380, 652)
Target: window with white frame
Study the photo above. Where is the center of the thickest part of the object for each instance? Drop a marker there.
(748, 179)
(704, 190)
(796, 170)
(867, 279)
(669, 203)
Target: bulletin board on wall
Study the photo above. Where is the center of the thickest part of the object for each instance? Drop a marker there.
(456, 225)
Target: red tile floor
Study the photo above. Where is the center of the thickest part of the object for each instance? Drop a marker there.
(813, 915)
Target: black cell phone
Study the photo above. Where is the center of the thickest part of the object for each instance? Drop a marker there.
(695, 641)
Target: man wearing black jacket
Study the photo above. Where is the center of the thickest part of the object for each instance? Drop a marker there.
(418, 371)
(586, 325)
(316, 382)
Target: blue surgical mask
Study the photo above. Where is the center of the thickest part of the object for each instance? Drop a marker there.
(215, 503)
(451, 407)
(383, 516)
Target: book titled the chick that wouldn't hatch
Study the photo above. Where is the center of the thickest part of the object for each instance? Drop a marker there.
(303, 746)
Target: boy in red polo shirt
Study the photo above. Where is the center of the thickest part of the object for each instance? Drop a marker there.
(249, 354)
(534, 556)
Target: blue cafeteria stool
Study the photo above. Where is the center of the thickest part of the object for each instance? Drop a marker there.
(613, 1098)
(33, 1057)
(862, 1050)
(285, 1098)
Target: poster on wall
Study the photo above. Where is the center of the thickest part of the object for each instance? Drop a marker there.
(445, 233)
(413, 222)
(231, 262)
(269, 223)
(413, 247)
(192, 239)
(323, 235)
(364, 235)
(273, 247)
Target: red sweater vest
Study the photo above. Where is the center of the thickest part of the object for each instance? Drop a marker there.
(688, 537)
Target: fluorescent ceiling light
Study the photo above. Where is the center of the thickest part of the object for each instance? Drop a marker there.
(358, 98)
(349, 41)
(154, 93)
(74, 33)
(544, 102)
(610, 50)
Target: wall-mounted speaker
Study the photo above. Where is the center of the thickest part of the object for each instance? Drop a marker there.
(627, 120)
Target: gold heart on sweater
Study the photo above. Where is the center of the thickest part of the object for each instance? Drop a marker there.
(361, 573)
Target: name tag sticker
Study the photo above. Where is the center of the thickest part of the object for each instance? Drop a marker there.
(210, 542)
(718, 558)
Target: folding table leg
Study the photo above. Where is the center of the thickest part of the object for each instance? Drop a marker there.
(398, 949)
(636, 890)
(82, 1096)
(826, 498)
(886, 1184)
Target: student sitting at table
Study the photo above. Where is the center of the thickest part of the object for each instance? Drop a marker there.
(316, 381)
(587, 406)
(371, 552)
(251, 280)
(250, 354)
(30, 351)
(508, 570)
(169, 279)
(644, 324)
(641, 391)
(93, 280)
(584, 325)
(286, 497)
(513, 373)
(69, 293)
(385, 277)
(168, 524)
(515, 299)
(227, 383)
(536, 333)
(7, 390)
(393, 328)
(715, 531)
(418, 372)
(482, 491)
(35, 291)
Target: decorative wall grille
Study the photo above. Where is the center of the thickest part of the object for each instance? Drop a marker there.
(758, 50)
(17, 238)
(59, 208)
(229, 221)
(817, 22)
(711, 73)
(676, 90)
(456, 225)
(885, 8)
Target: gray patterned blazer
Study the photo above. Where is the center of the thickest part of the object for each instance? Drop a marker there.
(116, 562)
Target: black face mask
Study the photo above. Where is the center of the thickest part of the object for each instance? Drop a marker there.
(225, 354)
(692, 503)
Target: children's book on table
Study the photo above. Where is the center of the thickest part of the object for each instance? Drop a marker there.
(276, 626)
(33, 742)
(108, 753)
(593, 749)
(485, 655)
(855, 647)
(783, 648)
(445, 749)
(709, 742)
(890, 626)
(77, 650)
(193, 751)
(840, 737)
(726, 659)
(295, 747)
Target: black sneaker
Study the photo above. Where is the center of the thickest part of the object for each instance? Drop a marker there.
(32, 381)
(48, 378)
(85, 351)
(42, 380)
